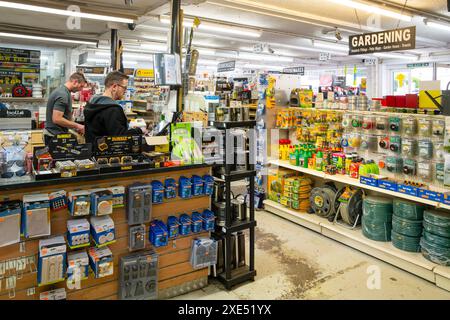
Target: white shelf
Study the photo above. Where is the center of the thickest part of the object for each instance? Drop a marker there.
(354, 182)
(24, 99)
(412, 262)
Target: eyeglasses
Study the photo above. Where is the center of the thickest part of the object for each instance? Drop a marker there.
(123, 87)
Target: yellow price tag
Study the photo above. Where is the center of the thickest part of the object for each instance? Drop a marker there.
(145, 73)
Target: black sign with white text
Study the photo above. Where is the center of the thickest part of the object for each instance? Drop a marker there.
(295, 70)
(226, 66)
(383, 41)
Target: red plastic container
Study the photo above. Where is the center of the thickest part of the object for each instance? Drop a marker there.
(390, 101)
(412, 101)
(400, 101)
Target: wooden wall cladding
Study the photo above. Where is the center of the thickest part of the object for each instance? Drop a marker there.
(174, 266)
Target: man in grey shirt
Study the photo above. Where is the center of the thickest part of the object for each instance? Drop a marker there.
(59, 108)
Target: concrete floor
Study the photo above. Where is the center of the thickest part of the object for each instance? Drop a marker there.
(293, 262)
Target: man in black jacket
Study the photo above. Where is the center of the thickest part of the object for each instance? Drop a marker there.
(104, 116)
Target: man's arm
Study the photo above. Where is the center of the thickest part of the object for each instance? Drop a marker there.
(115, 124)
(58, 119)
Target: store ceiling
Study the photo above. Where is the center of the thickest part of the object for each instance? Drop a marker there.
(282, 22)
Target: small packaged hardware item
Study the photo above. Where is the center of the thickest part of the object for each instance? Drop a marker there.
(78, 234)
(368, 123)
(381, 123)
(409, 147)
(157, 192)
(66, 168)
(440, 173)
(10, 215)
(426, 149)
(85, 164)
(197, 185)
(137, 237)
(36, 215)
(51, 261)
(425, 127)
(139, 276)
(203, 253)
(197, 222)
(139, 203)
(159, 236)
(395, 124)
(185, 188)
(101, 202)
(101, 261)
(77, 266)
(424, 170)
(410, 167)
(394, 164)
(102, 230)
(118, 193)
(58, 200)
(410, 126)
(208, 185)
(170, 188)
(173, 226)
(438, 128)
(79, 203)
(57, 294)
(126, 159)
(208, 220)
(395, 144)
(102, 161)
(185, 224)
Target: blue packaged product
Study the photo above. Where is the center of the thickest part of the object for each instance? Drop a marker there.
(173, 227)
(197, 185)
(208, 185)
(185, 224)
(197, 222)
(208, 220)
(157, 192)
(170, 188)
(185, 188)
(158, 234)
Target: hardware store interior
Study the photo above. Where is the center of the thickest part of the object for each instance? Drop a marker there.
(206, 149)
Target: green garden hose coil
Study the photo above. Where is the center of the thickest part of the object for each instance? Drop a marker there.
(408, 210)
(436, 240)
(438, 218)
(378, 207)
(407, 227)
(405, 243)
(376, 230)
(436, 254)
(436, 230)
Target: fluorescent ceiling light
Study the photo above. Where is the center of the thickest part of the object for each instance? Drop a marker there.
(154, 47)
(261, 66)
(95, 60)
(130, 62)
(126, 55)
(281, 45)
(207, 62)
(373, 9)
(264, 57)
(21, 6)
(330, 46)
(438, 25)
(24, 36)
(394, 56)
(155, 38)
(207, 26)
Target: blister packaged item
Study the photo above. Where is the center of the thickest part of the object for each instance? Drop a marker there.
(173, 226)
(51, 261)
(85, 164)
(79, 203)
(157, 192)
(101, 261)
(369, 123)
(354, 140)
(118, 193)
(440, 172)
(424, 170)
(197, 185)
(170, 188)
(409, 147)
(208, 220)
(77, 266)
(426, 149)
(185, 224)
(410, 167)
(439, 151)
(346, 121)
(101, 202)
(208, 185)
(410, 126)
(383, 143)
(203, 253)
(395, 124)
(197, 222)
(159, 235)
(10, 221)
(356, 121)
(394, 164)
(58, 200)
(185, 188)
(78, 234)
(58, 294)
(425, 127)
(103, 230)
(136, 238)
(438, 128)
(139, 203)
(395, 144)
(382, 123)
(36, 215)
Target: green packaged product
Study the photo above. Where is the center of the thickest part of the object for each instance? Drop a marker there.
(436, 254)
(437, 240)
(438, 218)
(378, 208)
(375, 230)
(294, 197)
(405, 243)
(408, 210)
(407, 227)
(437, 230)
(295, 204)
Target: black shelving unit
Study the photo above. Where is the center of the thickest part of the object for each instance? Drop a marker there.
(231, 277)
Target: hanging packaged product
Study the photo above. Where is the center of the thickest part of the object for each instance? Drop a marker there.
(439, 151)
(356, 122)
(101, 261)
(79, 203)
(410, 126)
(208, 185)
(383, 143)
(77, 267)
(438, 128)
(159, 235)
(410, 167)
(368, 123)
(394, 164)
(184, 188)
(58, 294)
(425, 127)
(197, 222)
(36, 215)
(203, 253)
(78, 234)
(208, 220)
(395, 124)
(118, 193)
(170, 188)
(409, 147)
(197, 185)
(157, 192)
(382, 123)
(58, 200)
(395, 144)
(426, 149)
(139, 203)
(136, 240)
(346, 121)
(101, 202)
(185, 224)
(10, 222)
(440, 172)
(425, 171)
(173, 227)
(51, 261)
(103, 230)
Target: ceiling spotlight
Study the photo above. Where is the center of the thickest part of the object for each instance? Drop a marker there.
(336, 31)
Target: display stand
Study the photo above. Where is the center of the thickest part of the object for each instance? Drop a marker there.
(234, 277)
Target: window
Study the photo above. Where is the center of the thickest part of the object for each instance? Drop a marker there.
(443, 74)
